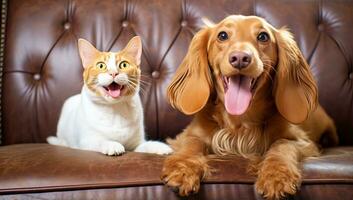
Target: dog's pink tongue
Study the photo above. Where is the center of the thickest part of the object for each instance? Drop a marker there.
(114, 90)
(237, 97)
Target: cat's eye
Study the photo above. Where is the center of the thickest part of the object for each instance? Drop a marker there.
(124, 64)
(101, 65)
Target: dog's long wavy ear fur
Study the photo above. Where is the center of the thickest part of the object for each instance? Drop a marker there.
(191, 84)
(295, 90)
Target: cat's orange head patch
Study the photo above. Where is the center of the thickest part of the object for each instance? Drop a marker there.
(112, 75)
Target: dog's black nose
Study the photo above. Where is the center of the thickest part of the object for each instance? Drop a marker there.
(239, 59)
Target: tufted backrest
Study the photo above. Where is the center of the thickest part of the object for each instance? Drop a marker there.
(42, 68)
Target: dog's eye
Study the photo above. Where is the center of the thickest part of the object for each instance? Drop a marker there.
(263, 37)
(124, 64)
(222, 36)
(101, 65)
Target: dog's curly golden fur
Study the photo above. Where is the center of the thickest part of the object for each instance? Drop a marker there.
(253, 95)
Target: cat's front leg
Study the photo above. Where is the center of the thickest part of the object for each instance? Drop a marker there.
(153, 147)
(107, 147)
(112, 148)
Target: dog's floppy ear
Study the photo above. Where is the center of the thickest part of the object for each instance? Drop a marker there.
(191, 84)
(295, 90)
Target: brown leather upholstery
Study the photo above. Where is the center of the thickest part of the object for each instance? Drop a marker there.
(210, 192)
(43, 167)
(41, 69)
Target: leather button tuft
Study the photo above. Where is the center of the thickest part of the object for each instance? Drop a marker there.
(125, 24)
(67, 25)
(350, 75)
(155, 74)
(321, 27)
(184, 23)
(36, 77)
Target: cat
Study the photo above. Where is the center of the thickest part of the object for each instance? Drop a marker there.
(107, 116)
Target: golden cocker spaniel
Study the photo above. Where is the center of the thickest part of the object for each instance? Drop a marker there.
(253, 95)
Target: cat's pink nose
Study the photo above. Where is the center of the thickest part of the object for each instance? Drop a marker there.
(113, 74)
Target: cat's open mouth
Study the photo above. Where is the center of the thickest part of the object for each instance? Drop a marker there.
(114, 89)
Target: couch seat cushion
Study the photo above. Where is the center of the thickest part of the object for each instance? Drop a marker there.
(43, 167)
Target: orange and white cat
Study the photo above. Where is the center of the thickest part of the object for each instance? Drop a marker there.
(107, 116)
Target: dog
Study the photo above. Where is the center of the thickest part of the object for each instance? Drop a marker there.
(252, 94)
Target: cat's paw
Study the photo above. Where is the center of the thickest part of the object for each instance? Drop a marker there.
(112, 148)
(56, 141)
(154, 147)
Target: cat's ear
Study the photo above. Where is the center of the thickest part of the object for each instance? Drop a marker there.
(134, 48)
(87, 52)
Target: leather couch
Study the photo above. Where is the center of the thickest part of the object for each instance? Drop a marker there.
(40, 68)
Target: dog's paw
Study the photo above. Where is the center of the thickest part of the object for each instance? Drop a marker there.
(154, 147)
(112, 148)
(183, 175)
(276, 181)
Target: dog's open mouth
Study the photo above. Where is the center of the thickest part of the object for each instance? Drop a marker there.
(114, 89)
(238, 93)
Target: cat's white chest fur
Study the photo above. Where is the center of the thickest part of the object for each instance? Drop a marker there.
(120, 122)
(86, 123)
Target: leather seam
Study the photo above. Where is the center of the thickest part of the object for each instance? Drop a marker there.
(50, 50)
(334, 40)
(75, 187)
(145, 53)
(121, 28)
(255, 8)
(2, 49)
(317, 41)
(159, 69)
(160, 65)
(127, 184)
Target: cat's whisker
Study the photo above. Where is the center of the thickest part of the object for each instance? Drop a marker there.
(147, 77)
(142, 90)
(144, 83)
(132, 83)
(130, 89)
(143, 94)
(135, 85)
(141, 80)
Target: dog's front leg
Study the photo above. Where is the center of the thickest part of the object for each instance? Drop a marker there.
(279, 173)
(185, 168)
